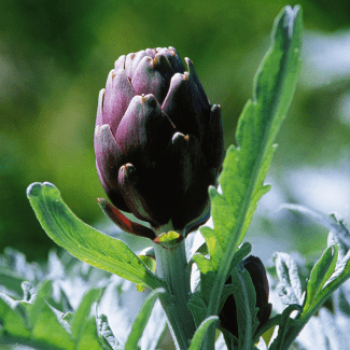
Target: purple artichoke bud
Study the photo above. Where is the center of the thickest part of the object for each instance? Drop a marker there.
(257, 272)
(158, 142)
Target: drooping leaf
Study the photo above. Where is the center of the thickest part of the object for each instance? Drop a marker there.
(330, 222)
(289, 286)
(83, 241)
(198, 337)
(142, 319)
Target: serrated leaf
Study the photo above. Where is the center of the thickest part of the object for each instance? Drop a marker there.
(198, 337)
(142, 319)
(83, 241)
(320, 273)
(246, 165)
(83, 312)
(289, 287)
(198, 308)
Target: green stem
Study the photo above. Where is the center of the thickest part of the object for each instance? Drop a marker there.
(171, 266)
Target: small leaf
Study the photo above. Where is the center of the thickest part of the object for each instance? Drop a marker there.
(83, 241)
(320, 274)
(289, 287)
(340, 275)
(198, 337)
(198, 308)
(142, 319)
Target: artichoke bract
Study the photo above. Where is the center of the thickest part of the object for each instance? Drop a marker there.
(158, 143)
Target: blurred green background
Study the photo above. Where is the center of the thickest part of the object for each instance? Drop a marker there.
(55, 57)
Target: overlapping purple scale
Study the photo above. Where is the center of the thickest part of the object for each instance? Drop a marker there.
(132, 61)
(144, 198)
(144, 132)
(186, 162)
(152, 76)
(213, 144)
(116, 100)
(108, 156)
(195, 207)
(200, 101)
(173, 57)
(99, 107)
(120, 63)
(180, 107)
(115, 197)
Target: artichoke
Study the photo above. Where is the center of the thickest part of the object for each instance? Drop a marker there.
(158, 143)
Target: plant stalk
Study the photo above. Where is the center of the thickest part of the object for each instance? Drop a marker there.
(171, 266)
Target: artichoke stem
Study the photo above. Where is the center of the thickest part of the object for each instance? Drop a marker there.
(171, 266)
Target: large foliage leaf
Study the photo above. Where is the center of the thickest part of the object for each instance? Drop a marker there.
(246, 164)
(83, 241)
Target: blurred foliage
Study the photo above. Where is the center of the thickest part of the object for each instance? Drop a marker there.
(55, 57)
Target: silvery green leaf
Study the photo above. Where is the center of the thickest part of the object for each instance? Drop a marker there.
(289, 285)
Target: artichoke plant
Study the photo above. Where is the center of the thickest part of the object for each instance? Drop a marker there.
(158, 143)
